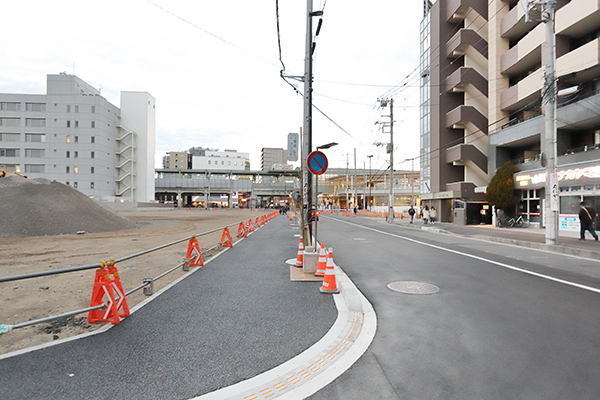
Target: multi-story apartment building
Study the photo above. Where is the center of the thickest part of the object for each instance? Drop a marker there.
(177, 160)
(502, 109)
(517, 82)
(75, 136)
(454, 104)
(271, 156)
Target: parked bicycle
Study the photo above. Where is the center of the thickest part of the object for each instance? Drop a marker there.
(520, 222)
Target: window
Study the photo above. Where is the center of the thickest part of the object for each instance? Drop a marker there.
(92, 155)
(91, 185)
(35, 106)
(68, 138)
(75, 154)
(10, 106)
(68, 154)
(91, 170)
(10, 153)
(68, 108)
(75, 170)
(76, 139)
(68, 170)
(10, 137)
(35, 137)
(35, 122)
(68, 124)
(93, 124)
(35, 153)
(93, 109)
(75, 185)
(34, 168)
(76, 124)
(10, 167)
(93, 139)
(77, 109)
(10, 121)
(208, 162)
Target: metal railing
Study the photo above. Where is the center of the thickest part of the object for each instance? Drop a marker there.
(147, 285)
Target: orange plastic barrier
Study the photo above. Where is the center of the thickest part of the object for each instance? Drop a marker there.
(108, 283)
(193, 257)
(226, 238)
(241, 231)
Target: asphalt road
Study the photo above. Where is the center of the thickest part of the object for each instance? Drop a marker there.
(507, 323)
(231, 320)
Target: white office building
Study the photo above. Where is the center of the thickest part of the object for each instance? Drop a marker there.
(73, 135)
(228, 160)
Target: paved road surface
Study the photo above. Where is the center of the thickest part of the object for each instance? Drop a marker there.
(491, 332)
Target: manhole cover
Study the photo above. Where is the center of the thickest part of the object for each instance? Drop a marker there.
(413, 287)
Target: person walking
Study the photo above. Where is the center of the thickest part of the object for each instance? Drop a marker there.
(587, 219)
(411, 213)
(425, 214)
(432, 215)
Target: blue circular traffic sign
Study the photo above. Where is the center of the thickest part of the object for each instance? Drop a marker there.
(317, 162)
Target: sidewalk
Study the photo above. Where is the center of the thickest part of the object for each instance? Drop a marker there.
(568, 241)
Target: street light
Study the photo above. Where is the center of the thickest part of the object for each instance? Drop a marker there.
(316, 193)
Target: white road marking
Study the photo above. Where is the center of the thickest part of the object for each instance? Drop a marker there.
(511, 267)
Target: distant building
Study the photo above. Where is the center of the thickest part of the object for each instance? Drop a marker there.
(75, 136)
(228, 160)
(270, 156)
(177, 160)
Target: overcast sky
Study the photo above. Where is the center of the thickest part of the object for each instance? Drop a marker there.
(213, 68)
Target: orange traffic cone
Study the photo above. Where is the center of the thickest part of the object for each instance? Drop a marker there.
(329, 284)
(290, 217)
(300, 258)
(322, 264)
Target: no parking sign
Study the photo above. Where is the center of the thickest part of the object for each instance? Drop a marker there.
(317, 162)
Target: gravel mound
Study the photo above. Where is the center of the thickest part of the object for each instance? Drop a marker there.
(37, 207)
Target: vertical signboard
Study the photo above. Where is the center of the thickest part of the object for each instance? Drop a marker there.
(293, 139)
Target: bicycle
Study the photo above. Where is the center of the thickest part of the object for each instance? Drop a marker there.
(522, 222)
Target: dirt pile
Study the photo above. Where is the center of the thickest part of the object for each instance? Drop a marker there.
(38, 207)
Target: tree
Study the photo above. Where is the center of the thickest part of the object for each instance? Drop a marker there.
(500, 191)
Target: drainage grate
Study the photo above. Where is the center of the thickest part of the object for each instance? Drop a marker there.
(409, 287)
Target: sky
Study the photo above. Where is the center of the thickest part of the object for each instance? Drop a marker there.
(214, 68)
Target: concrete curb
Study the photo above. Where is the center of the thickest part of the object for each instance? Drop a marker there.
(318, 366)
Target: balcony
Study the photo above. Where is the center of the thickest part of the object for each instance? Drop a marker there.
(462, 41)
(457, 10)
(513, 24)
(464, 153)
(461, 115)
(464, 76)
(578, 18)
(525, 55)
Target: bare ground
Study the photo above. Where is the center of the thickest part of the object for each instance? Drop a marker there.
(29, 299)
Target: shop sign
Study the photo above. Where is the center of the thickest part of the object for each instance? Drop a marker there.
(570, 174)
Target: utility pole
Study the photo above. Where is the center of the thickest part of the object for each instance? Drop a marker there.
(543, 11)
(390, 150)
(355, 181)
(347, 187)
(370, 181)
(365, 185)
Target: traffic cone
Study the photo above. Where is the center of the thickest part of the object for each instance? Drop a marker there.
(300, 258)
(193, 257)
(322, 264)
(329, 284)
(290, 217)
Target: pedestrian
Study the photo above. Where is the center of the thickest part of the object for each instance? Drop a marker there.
(355, 211)
(411, 213)
(425, 214)
(587, 219)
(432, 215)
